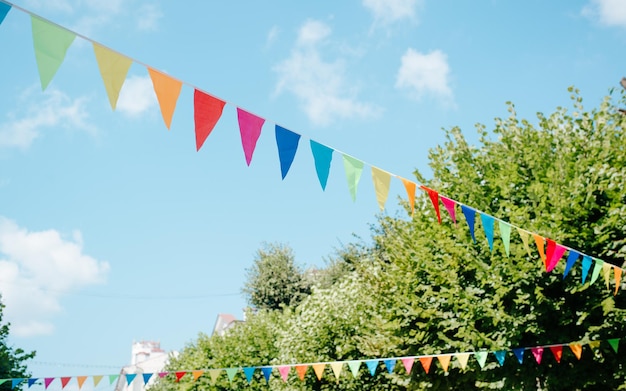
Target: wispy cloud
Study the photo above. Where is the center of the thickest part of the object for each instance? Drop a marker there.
(272, 34)
(137, 96)
(607, 12)
(148, 17)
(38, 111)
(320, 86)
(36, 269)
(425, 74)
(386, 12)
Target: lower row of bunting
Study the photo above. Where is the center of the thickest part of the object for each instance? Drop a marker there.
(337, 367)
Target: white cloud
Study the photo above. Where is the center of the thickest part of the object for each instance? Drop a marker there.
(607, 12)
(425, 74)
(137, 96)
(272, 35)
(36, 270)
(148, 17)
(38, 111)
(386, 12)
(320, 86)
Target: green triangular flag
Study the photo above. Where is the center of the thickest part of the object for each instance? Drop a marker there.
(231, 372)
(354, 168)
(505, 233)
(614, 343)
(481, 357)
(113, 378)
(596, 270)
(354, 367)
(51, 43)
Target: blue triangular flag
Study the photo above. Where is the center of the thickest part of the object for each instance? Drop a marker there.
(267, 372)
(470, 216)
(500, 356)
(16, 382)
(287, 142)
(372, 365)
(4, 10)
(322, 156)
(146, 377)
(249, 372)
(586, 266)
(571, 260)
(32, 380)
(519, 353)
(488, 227)
(130, 377)
(390, 363)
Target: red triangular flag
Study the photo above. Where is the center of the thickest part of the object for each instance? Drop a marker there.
(434, 197)
(179, 375)
(64, 381)
(207, 111)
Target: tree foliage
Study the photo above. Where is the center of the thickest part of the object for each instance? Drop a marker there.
(12, 360)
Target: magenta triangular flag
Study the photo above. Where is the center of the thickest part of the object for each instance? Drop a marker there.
(450, 207)
(250, 129)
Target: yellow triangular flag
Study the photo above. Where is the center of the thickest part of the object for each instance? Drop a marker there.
(197, 374)
(381, 180)
(337, 367)
(462, 358)
(577, 349)
(81, 381)
(113, 69)
(606, 272)
(96, 380)
(167, 90)
(444, 360)
(524, 235)
(214, 373)
(319, 370)
(594, 344)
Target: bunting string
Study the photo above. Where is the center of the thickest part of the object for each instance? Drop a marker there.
(371, 366)
(51, 42)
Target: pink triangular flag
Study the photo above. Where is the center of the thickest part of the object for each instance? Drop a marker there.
(408, 364)
(284, 372)
(554, 254)
(250, 129)
(537, 353)
(450, 207)
(47, 381)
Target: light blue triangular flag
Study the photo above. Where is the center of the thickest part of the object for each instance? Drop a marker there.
(4, 10)
(372, 365)
(390, 364)
(500, 356)
(586, 266)
(130, 377)
(249, 372)
(488, 228)
(322, 155)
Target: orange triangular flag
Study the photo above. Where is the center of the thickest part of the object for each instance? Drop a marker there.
(410, 192)
(541, 244)
(81, 381)
(618, 278)
(197, 374)
(96, 380)
(319, 370)
(113, 69)
(301, 370)
(426, 361)
(336, 367)
(167, 90)
(444, 360)
(577, 349)
(64, 381)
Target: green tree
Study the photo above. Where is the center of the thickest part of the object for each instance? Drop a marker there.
(275, 281)
(12, 360)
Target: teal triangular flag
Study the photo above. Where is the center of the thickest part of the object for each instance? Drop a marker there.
(130, 377)
(586, 267)
(481, 357)
(390, 363)
(614, 343)
(267, 372)
(16, 382)
(287, 142)
(231, 372)
(4, 10)
(249, 372)
(372, 365)
(505, 234)
(488, 228)
(470, 216)
(500, 356)
(354, 168)
(322, 155)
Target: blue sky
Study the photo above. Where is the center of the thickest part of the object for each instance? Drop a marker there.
(114, 229)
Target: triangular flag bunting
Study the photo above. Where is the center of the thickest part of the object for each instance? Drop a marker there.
(31, 380)
(284, 372)
(596, 270)
(4, 10)
(505, 234)
(606, 272)
(207, 110)
(113, 69)
(390, 364)
(354, 367)
(557, 352)
(250, 129)
(163, 374)
(48, 380)
(408, 364)
(519, 353)
(618, 278)
(450, 207)
(179, 375)
(481, 358)
(487, 222)
(51, 43)
(540, 242)
(167, 90)
(426, 361)
(336, 366)
(214, 374)
(146, 377)
(382, 180)
(322, 155)
(196, 374)
(444, 360)
(524, 236)
(301, 370)
(80, 380)
(319, 370)
(287, 143)
(577, 349)
(353, 168)
(572, 257)
(410, 192)
(470, 216)
(434, 198)
(500, 356)
(555, 255)
(372, 365)
(129, 378)
(267, 373)
(537, 354)
(231, 372)
(16, 382)
(462, 358)
(113, 378)
(96, 380)
(249, 372)
(614, 343)
(586, 266)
